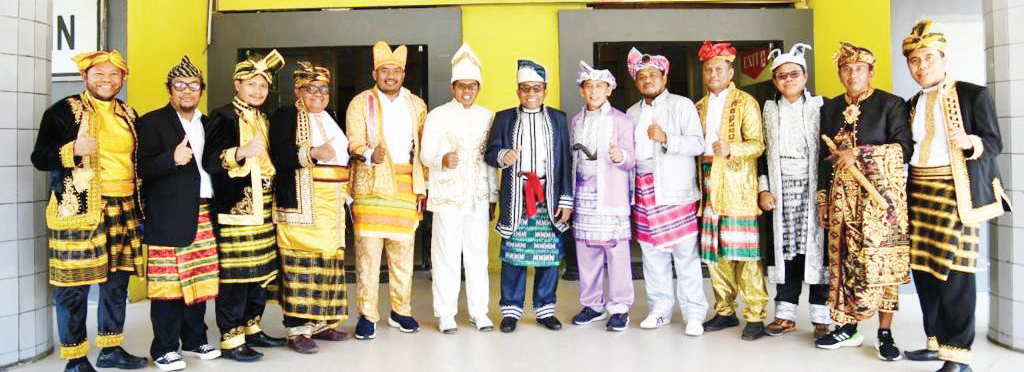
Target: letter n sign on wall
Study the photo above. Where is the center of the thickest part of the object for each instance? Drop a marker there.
(76, 29)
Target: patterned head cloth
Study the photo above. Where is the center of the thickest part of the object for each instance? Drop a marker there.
(308, 73)
(589, 73)
(259, 65)
(849, 53)
(723, 50)
(795, 55)
(531, 71)
(636, 61)
(185, 68)
(89, 59)
(920, 38)
(466, 65)
(382, 55)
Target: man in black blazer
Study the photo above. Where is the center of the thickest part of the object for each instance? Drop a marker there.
(954, 187)
(182, 263)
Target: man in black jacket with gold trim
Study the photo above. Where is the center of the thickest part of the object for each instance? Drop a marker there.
(87, 144)
(954, 187)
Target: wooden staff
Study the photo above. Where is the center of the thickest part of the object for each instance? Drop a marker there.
(856, 173)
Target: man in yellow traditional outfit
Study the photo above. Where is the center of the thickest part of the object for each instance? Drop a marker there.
(236, 157)
(729, 238)
(310, 153)
(868, 251)
(181, 262)
(87, 143)
(384, 125)
(954, 187)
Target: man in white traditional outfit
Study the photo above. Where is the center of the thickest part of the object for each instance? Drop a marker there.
(463, 193)
(792, 125)
(668, 138)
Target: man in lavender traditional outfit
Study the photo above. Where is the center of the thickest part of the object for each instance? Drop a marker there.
(668, 137)
(602, 160)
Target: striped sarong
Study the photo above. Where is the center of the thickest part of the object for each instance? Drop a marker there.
(733, 238)
(313, 285)
(248, 254)
(662, 226)
(375, 217)
(187, 273)
(939, 241)
(85, 256)
(595, 226)
(795, 195)
(536, 243)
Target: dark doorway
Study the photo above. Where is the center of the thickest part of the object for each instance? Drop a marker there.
(350, 73)
(684, 71)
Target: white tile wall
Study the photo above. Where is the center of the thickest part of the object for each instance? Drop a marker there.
(8, 286)
(8, 72)
(26, 69)
(8, 105)
(26, 294)
(1016, 53)
(26, 37)
(8, 231)
(8, 184)
(26, 220)
(25, 115)
(8, 26)
(9, 8)
(9, 263)
(1017, 278)
(8, 344)
(27, 9)
(26, 142)
(26, 257)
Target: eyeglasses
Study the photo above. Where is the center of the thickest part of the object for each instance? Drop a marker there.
(787, 75)
(470, 86)
(313, 89)
(527, 88)
(180, 86)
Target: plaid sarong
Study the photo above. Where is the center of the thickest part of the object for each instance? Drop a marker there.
(313, 285)
(188, 273)
(248, 254)
(536, 242)
(85, 256)
(662, 226)
(733, 238)
(939, 242)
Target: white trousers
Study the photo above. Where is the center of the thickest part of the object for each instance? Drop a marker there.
(689, 286)
(460, 239)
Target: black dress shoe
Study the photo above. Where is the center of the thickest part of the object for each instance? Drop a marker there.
(954, 367)
(721, 322)
(242, 353)
(752, 331)
(508, 324)
(550, 322)
(261, 339)
(923, 355)
(117, 357)
(79, 365)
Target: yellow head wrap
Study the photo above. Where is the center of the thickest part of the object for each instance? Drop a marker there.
(849, 53)
(259, 65)
(308, 72)
(89, 59)
(920, 38)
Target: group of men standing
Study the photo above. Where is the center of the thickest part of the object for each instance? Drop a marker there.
(242, 208)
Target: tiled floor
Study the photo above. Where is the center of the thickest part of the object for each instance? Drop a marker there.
(574, 348)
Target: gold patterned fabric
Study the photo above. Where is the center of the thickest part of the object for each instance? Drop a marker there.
(939, 241)
(248, 253)
(255, 65)
(733, 180)
(746, 278)
(327, 232)
(313, 284)
(868, 248)
(116, 150)
(382, 55)
(399, 256)
(308, 73)
(84, 256)
(88, 59)
(849, 53)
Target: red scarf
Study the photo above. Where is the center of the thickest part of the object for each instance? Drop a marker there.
(534, 193)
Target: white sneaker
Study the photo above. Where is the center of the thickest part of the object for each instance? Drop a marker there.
(447, 325)
(203, 352)
(694, 328)
(655, 320)
(170, 362)
(482, 324)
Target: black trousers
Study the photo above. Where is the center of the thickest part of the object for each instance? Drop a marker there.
(791, 289)
(239, 306)
(173, 321)
(948, 309)
(72, 304)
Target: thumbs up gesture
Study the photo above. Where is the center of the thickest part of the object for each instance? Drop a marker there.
(614, 153)
(324, 152)
(182, 152)
(85, 144)
(511, 157)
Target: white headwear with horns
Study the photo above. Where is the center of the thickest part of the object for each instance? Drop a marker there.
(795, 55)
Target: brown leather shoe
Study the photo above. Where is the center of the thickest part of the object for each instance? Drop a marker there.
(820, 330)
(780, 327)
(331, 334)
(303, 344)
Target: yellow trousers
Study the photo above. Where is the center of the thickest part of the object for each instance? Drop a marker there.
(746, 277)
(368, 256)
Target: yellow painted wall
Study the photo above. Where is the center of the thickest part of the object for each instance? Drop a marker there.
(864, 23)
(159, 34)
(249, 5)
